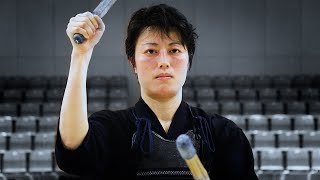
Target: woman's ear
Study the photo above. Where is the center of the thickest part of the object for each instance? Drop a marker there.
(133, 64)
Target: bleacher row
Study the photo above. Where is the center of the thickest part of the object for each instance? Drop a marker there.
(280, 116)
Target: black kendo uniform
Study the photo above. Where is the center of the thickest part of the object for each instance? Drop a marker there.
(132, 144)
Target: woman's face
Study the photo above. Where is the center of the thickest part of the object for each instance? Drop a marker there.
(161, 64)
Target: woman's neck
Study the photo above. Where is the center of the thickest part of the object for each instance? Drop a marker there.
(163, 109)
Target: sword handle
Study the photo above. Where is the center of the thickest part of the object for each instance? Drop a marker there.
(78, 38)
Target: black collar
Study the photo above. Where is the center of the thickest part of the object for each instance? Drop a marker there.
(181, 121)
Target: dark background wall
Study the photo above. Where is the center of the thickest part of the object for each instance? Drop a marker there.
(237, 37)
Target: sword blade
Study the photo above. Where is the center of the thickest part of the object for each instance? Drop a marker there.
(103, 7)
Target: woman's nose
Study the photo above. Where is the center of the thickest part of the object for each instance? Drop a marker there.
(164, 60)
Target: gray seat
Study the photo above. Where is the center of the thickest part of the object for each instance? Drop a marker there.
(314, 108)
(34, 95)
(8, 109)
(48, 123)
(252, 107)
(200, 81)
(30, 109)
(118, 104)
(280, 122)
(209, 106)
(26, 124)
(316, 159)
(118, 93)
(264, 140)
(226, 94)
(20, 141)
(97, 82)
(268, 94)
(220, 82)
(96, 106)
(188, 93)
(12, 96)
(304, 123)
(3, 142)
(44, 141)
(40, 161)
(311, 139)
(97, 94)
(288, 94)
(262, 82)
(309, 94)
(288, 140)
(55, 94)
(273, 107)
(296, 107)
(51, 109)
(230, 107)
(247, 95)
(205, 93)
(6, 124)
(271, 159)
(298, 160)
(258, 122)
(14, 162)
(295, 175)
(242, 82)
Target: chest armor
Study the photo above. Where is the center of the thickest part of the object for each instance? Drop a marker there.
(165, 162)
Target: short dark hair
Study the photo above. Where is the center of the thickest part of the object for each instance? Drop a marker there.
(165, 19)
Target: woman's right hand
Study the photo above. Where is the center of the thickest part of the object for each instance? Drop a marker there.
(90, 26)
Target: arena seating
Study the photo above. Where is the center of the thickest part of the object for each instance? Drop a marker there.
(280, 115)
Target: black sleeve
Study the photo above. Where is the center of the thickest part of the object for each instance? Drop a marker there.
(234, 154)
(88, 157)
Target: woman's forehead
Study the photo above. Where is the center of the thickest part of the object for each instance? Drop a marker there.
(154, 34)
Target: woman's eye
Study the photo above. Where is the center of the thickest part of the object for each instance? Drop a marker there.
(175, 51)
(150, 51)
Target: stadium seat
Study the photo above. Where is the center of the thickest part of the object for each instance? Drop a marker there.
(97, 82)
(44, 141)
(209, 106)
(118, 104)
(314, 175)
(288, 94)
(34, 95)
(296, 107)
(297, 160)
(316, 159)
(252, 107)
(6, 124)
(8, 109)
(17, 82)
(200, 81)
(304, 123)
(295, 175)
(51, 108)
(14, 162)
(40, 161)
(48, 124)
(97, 94)
(38, 82)
(3, 142)
(20, 141)
(222, 82)
(118, 81)
(242, 82)
(314, 108)
(188, 93)
(264, 140)
(258, 122)
(247, 95)
(280, 122)
(262, 82)
(301, 81)
(268, 94)
(269, 175)
(230, 107)
(226, 94)
(118, 93)
(57, 82)
(30, 109)
(96, 106)
(55, 94)
(273, 107)
(282, 81)
(288, 139)
(311, 139)
(271, 159)
(309, 94)
(12, 96)
(25, 124)
(205, 93)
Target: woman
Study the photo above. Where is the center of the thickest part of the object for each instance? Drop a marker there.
(139, 142)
